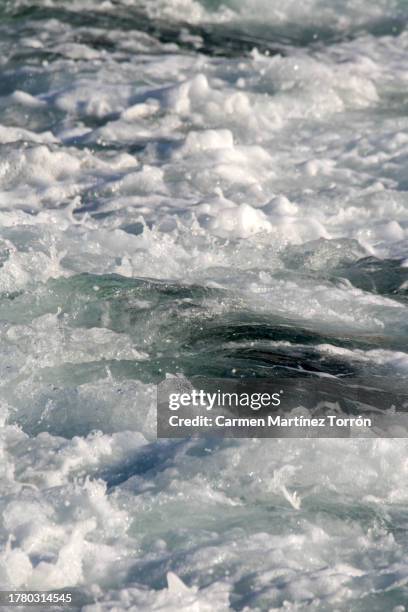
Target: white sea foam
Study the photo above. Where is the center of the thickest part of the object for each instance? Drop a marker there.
(242, 188)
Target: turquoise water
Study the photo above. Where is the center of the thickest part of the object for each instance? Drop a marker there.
(214, 189)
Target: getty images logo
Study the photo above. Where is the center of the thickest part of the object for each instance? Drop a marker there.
(203, 399)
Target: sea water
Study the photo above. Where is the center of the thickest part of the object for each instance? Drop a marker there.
(200, 188)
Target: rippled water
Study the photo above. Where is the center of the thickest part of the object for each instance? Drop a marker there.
(200, 188)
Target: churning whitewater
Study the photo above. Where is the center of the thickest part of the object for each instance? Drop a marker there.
(196, 187)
